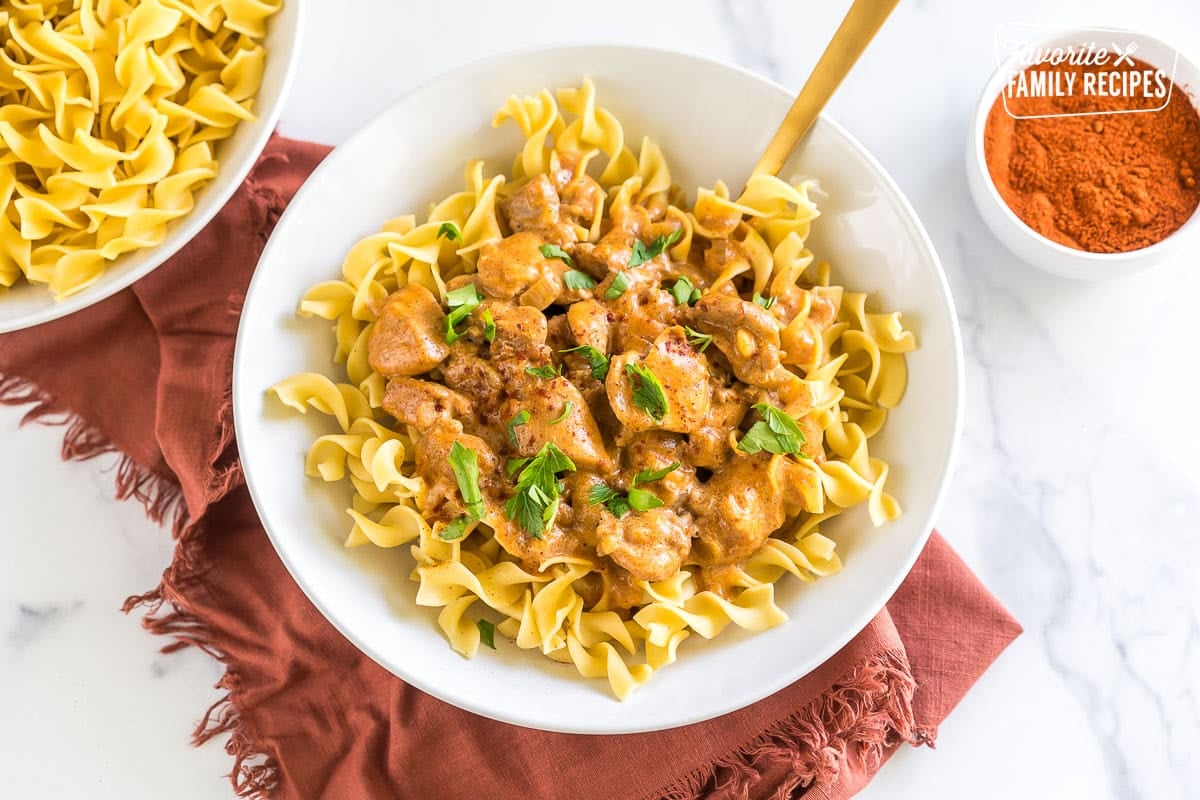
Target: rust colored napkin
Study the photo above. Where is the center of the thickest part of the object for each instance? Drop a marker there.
(147, 374)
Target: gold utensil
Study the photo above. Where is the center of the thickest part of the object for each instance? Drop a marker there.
(858, 28)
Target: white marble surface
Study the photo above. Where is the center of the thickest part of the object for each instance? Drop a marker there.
(1077, 496)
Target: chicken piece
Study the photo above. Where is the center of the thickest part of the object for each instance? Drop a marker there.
(708, 446)
(655, 450)
(534, 208)
(409, 337)
(642, 313)
(439, 498)
(421, 403)
(585, 517)
(736, 511)
(533, 551)
(575, 433)
(650, 544)
(746, 333)
(476, 379)
(589, 323)
(520, 330)
(581, 199)
(681, 372)
(609, 255)
(515, 269)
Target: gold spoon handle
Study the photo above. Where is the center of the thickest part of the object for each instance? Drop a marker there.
(859, 26)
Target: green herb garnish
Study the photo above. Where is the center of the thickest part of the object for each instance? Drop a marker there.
(618, 286)
(616, 503)
(466, 472)
(514, 466)
(648, 393)
(642, 253)
(778, 433)
(698, 340)
(535, 503)
(765, 302)
(462, 302)
(487, 633)
(641, 500)
(547, 372)
(450, 231)
(489, 326)
(554, 251)
(596, 360)
(455, 529)
(685, 292)
(619, 504)
(574, 279)
(651, 475)
(521, 418)
(566, 412)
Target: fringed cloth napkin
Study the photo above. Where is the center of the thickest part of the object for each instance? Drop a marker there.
(147, 374)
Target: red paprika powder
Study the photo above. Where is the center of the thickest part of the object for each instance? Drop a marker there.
(1107, 181)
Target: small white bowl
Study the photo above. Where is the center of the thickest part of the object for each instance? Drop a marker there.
(26, 305)
(1034, 248)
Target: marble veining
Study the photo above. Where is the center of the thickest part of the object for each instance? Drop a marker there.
(1076, 498)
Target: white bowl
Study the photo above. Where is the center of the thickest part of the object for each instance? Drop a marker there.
(1031, 246)
(712, 121)
(25, 304)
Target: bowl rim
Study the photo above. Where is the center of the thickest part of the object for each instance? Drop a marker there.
(195, 220)
(987, 98)
(243, 407)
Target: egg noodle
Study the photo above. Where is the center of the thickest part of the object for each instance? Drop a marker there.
(108, 114)
(847, 375)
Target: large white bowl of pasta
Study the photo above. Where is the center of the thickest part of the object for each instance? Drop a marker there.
(578, 414)
(125, 128)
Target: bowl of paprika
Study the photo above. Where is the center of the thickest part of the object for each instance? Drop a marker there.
(1084, 158)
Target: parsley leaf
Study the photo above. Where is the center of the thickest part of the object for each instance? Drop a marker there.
(618, 286)
(765, 302)
(450, 231)
(698, 340)
(685, 292)
(778, 434)
(648, 393)
(596, 360)
(574, 279)
(651, 475)
(616, 503)
(454, 529)
(489, 326)
(554, 251)
(514, 465)
(462, 302)
(487, 633)
(566, 412)
(642, 253)
(547, 372)
(641, 500)
(466, 472)
(521, 418)
(535, 503)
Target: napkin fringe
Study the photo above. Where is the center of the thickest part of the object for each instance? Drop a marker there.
(863, 715)
(255, 774)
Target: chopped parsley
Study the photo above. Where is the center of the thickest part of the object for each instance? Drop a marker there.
(462, 302)
(554, 251)
(685, 292)
(489, 326)
(596, 360)
(765, 302)
(450, 231)
(466, 472)
(535, 503)
(648, 393)
(619, 504)
(546, 372)
(566, 412)
(454, 529)
(778, 433)
(618, 286)
(642, 253)
(521, 418)
(698, 340)
(574, 279)
(487, 633)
